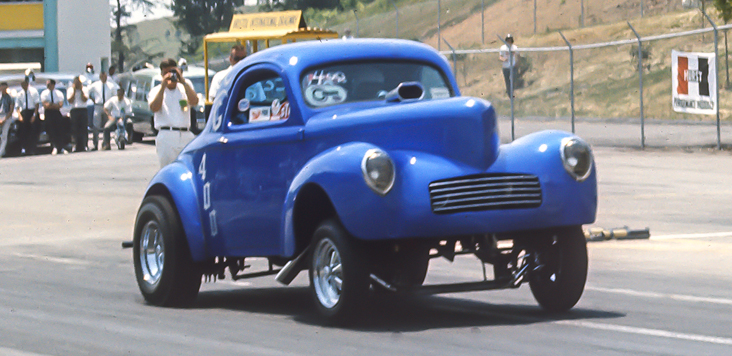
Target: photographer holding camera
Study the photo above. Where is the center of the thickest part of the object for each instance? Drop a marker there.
(170, 102)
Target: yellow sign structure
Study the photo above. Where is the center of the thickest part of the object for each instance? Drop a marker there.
(284, 27)
(21, 17)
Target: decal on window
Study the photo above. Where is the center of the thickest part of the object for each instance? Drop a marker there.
(324, 95)
(280, 111)
(259, 114)
(243, 105)
(320, 77)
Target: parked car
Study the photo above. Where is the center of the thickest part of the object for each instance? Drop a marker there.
(359, 161)
(137, 85)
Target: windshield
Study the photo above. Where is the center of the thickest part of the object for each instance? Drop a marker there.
(198, 83)
(344, 83)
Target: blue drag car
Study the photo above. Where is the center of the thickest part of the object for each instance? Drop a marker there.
(359, 161)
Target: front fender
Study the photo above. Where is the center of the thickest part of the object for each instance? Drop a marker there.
(177, 180)
(338, 172)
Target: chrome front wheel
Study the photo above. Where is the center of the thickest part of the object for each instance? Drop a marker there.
(152, 253)
(328, 279)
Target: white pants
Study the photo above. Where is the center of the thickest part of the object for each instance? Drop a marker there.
(4, 135)
(169, 143)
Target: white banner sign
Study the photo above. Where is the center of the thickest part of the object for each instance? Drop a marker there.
(694, 78)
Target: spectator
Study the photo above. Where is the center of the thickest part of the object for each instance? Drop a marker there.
(87, 78)
(116, 108)
(238, 52)
(113, 73)
(78, 98)
(52, 101)
(26, 103)
(509, 59)
(170, 101)
(6, 115)
(100, 91)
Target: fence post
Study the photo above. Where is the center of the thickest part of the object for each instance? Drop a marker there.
(716, 79)
(355, 13)
(582, 10)
(510, 95)
(534, 16)
(454, 59)
(439, 37)
(571, 76)
(640, 85)
(396, 10)
(641, 1)
(482, 21)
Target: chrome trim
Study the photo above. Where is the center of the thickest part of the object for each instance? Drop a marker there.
(485, 192)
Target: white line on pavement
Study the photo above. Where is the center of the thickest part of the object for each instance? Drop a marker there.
(680, 297)
(648, 332)
(692, 236)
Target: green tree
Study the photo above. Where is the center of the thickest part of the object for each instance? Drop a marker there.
(200, 18)
(725, 11)
(121, 10)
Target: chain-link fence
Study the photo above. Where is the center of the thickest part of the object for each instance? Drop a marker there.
(585, 88)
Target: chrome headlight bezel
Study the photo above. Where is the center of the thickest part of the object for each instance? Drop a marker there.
(576, 169)
(379, 184)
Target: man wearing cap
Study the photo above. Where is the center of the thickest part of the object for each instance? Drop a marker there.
(509, 59)
(170, 102)
(26, 103)
(52, 100)
(100, 91)
(6, 115)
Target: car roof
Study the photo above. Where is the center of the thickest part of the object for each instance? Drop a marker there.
(313, 53)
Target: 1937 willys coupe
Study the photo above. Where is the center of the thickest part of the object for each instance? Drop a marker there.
(359, 161)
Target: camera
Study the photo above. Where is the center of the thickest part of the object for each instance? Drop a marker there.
(174, 76)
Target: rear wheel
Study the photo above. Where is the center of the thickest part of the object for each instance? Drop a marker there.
(561, 258)
(338, 275)
(165, 271)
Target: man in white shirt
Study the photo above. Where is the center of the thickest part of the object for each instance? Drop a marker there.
(238, 52)
(78, 97)
(52, 100)
(6, 115)
(509, 59)
(100, 91)
(170, 102)
(116, 109)
(26, 103)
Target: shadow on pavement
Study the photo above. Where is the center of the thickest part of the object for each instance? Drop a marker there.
(384, 313)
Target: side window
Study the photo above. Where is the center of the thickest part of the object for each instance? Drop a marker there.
(142, 90)
(262, 99)
(132, 90)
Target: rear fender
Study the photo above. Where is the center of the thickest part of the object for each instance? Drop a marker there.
(176, 182)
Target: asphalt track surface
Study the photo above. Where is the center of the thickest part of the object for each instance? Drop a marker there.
(67, 288)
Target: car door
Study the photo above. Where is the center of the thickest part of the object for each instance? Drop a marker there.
(255, 161)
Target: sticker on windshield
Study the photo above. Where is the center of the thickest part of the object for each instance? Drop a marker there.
(320, 77)
(324, 95)
(243, 105)
(440, 93)
(259, 114)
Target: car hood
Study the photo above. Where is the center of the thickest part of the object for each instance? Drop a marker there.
(463, 129)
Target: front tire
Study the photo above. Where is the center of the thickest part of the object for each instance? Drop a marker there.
(338, 276)
(165, 271)
(559, 282)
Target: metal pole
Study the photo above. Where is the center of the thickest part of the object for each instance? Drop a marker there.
(716, 79)
(482, 21)
(396, 10)
(571, 75)
(640, 85)
(439, 37)
(454, 59)
(510, 95)
(355, 13)
(534, 16)
(582, 9)
(641, 1)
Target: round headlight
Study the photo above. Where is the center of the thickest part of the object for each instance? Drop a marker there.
(577, 158)
(378, 171)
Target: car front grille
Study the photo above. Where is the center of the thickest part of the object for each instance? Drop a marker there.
(485, 192)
